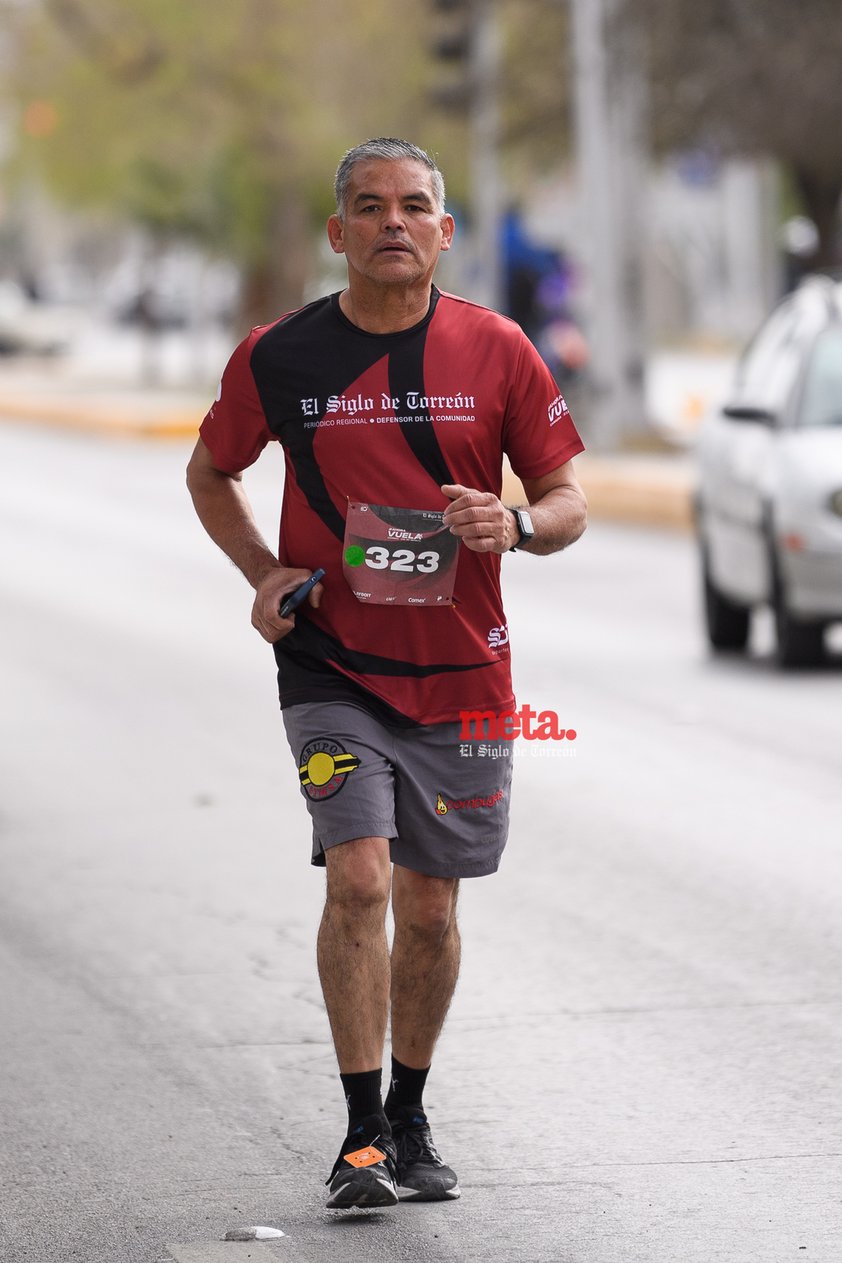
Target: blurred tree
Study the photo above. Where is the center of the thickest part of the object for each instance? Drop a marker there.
(219, 121)
(535, 100)
(537, 79)
(753, 77)
(222, 121)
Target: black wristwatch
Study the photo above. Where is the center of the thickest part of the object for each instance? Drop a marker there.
(524, 525)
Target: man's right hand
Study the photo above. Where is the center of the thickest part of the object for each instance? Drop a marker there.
(269, 596)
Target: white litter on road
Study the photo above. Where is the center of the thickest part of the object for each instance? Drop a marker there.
(253, 1234)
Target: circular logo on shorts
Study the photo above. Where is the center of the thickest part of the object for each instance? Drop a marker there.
(323, 767)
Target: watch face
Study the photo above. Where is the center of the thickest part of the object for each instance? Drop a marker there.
(524, 521)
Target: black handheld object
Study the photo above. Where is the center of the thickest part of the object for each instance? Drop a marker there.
(295, 598)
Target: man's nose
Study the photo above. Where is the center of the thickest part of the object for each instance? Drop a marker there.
(393, 218)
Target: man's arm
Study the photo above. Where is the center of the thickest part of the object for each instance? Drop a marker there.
(225, 512)
(557, 506)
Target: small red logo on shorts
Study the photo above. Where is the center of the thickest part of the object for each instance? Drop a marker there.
(444, 805)
(323, 768)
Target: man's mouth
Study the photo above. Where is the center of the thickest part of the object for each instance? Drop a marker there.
(394, 247)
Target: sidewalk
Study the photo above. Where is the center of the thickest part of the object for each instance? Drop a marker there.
(645, 489)
(109, 409)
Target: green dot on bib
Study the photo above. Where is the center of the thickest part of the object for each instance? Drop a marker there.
(354, 555)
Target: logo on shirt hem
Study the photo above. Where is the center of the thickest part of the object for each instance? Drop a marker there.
(498, 637)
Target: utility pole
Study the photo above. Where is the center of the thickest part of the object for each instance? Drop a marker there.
(484, 132)
(609, 113)
(467, 46)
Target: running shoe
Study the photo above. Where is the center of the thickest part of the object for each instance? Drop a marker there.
(422, 1176)
(365, 1173)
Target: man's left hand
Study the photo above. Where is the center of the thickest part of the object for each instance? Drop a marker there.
(480, 519)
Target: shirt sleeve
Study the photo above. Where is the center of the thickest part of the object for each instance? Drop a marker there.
(538, 434)
(235, 430)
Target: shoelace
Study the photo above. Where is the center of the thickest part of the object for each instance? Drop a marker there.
(416, 1143)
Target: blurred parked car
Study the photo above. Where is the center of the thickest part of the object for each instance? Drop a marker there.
(769, 493)
(27, 327)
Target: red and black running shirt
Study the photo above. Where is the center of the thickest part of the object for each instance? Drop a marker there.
(385, 419)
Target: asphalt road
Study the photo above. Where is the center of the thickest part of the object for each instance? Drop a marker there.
(643, 1058)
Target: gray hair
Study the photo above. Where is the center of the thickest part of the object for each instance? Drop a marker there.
(391, 150)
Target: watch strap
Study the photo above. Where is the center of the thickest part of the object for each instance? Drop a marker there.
(523, 536)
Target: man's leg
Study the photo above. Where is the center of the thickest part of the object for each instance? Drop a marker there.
(425, 966)
(425, 962)
(353, 959)
(353, 954)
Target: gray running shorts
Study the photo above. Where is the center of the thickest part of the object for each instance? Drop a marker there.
(445, 812)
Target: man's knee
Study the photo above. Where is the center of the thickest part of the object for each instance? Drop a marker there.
(424, 906)
(358, 875)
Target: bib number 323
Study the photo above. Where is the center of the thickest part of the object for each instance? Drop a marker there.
(397, 556)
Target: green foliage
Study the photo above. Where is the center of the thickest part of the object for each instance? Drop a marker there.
(536, 86)
(751, 77)
(198, 115)
(223, 119)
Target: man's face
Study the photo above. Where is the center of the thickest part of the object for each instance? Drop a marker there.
(391, 233)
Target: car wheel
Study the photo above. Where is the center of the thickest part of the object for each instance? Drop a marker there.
(727, 623)
(800, 641)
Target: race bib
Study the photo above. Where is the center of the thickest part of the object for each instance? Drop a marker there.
(399, 556)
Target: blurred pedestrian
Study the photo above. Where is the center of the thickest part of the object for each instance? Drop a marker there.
(394, 403)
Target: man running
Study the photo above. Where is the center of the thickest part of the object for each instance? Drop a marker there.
(394, 404)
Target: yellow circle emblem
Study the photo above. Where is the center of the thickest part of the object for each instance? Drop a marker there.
(320, 768)
(323, 767)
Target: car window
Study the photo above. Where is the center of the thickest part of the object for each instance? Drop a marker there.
(770, 366)
(821, 402)
(758, 363)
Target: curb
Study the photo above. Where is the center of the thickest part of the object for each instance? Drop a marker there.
(99, 419)
(651, 494)
(640, 492)
(644, 495)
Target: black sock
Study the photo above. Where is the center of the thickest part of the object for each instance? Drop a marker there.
(362, 1095)
(406, 1087)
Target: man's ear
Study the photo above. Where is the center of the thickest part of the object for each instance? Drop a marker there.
(336, 234)
(448, 227)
